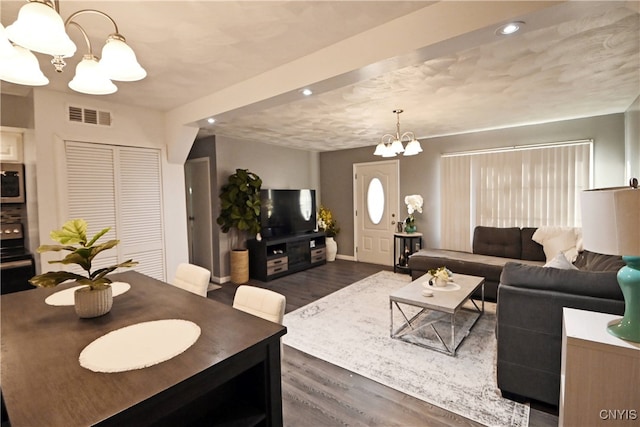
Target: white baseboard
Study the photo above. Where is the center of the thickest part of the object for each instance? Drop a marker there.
(220, 280)
(346, 257)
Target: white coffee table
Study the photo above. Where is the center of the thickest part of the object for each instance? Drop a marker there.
(419, 312)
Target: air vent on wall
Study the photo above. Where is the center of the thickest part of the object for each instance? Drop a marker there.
(89, 116)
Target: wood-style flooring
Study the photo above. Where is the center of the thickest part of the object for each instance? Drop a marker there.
(317, 393)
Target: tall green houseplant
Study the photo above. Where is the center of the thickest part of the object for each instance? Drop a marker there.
(240, 215)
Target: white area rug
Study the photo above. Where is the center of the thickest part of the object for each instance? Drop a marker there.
(350, 328)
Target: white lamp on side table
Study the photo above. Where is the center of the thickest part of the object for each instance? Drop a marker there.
(611, 225)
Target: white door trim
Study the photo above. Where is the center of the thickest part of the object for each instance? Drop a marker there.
(356, 235)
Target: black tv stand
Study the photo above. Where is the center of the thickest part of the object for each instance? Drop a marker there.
(275, 257)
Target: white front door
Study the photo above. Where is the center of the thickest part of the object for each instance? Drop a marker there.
(198, 183)
(376, 192)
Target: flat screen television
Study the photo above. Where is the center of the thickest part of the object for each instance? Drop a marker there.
(287, 212)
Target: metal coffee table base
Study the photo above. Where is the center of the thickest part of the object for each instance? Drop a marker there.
(428, 318)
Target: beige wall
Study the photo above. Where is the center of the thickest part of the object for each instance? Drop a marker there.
(278, 167)
(420, 174)
(632, 140)
(17, 111)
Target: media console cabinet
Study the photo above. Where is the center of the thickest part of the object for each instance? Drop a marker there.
(275, 257)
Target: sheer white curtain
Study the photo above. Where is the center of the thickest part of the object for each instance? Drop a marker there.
(523, 187)
(456, 207)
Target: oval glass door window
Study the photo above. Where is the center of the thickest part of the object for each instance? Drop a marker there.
(375, 200)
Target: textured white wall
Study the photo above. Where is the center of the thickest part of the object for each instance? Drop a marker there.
(134, 127)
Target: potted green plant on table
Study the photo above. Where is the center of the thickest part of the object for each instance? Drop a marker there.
(328, 224)
(96, 298)
(240, 215)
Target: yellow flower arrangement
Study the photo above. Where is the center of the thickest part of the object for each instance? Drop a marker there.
(327, 223)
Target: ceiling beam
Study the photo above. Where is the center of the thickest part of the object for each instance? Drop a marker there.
(401, 38)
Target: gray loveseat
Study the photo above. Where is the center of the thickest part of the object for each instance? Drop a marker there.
(529, 319)
(493, 247)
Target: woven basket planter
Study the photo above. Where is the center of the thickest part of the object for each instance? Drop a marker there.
(239, 266)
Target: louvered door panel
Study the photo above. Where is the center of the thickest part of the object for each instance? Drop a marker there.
(91, 194)
(141, 210)
(119, 187)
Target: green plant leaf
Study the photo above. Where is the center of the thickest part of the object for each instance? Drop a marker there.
(95, 250)
(55, 248)
(74, 258)
(98, 274)
(98, 235)
(240, 202)
(54, 278)
(73, 231)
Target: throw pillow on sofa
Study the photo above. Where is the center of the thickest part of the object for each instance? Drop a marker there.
(554, 240)
(560, 261)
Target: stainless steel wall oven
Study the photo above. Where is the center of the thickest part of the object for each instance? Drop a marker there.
(12, 183)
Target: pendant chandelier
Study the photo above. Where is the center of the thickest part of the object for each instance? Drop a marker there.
(40, 28)
(391, 145)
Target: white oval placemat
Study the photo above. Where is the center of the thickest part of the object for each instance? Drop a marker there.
(66, 297)
(139, 346)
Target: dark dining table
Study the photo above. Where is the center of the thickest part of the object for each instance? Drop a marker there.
(229, 376)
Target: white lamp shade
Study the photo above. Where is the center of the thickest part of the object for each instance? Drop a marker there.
(90, 79)
(41, 29)
(20, 66)
(380, 148)
(611, 221)
(412, 148)
(6, 48)
(388, 151)
(119, 62)
(396, 146)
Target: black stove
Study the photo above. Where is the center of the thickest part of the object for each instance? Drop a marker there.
(16, 262)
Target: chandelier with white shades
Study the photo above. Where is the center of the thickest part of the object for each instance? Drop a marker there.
(40, 28)
(391, 145)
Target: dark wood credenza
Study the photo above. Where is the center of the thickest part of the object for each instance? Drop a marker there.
(230, 376)
(275, 257)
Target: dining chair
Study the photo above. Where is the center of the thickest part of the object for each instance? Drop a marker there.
(260, 302)
(192, 278)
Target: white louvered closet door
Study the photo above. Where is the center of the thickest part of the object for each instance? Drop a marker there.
(119, 187)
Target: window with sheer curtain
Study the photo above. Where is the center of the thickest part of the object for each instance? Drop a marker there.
(529, 186)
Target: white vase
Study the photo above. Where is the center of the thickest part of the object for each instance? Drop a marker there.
(332, 248)
(440, 282)
(93, 302)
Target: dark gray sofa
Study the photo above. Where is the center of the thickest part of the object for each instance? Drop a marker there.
(529, 319)
(493, 247)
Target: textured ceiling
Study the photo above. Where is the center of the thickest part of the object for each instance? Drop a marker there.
(587, 64)
(585, 67)
(193, 48)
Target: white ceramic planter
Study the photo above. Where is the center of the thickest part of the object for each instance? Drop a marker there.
(332, 248)
(93, 302)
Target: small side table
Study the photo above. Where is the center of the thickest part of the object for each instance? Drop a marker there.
(600, 373)
(405, 244)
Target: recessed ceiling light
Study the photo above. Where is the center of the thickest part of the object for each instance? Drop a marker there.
(211, 120)
(509, 28)
(306, 92)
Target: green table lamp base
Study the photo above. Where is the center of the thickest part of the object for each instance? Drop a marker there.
(629, 280)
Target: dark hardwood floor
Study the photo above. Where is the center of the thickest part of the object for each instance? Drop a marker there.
(317, 393)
